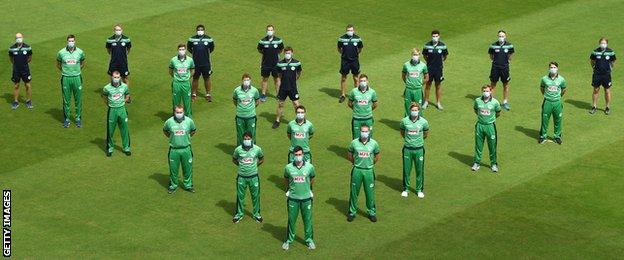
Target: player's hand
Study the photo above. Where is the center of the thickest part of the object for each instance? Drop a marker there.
(287, 193)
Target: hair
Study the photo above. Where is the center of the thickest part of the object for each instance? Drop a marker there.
(178, 106)
(246, 75)
(415, 51)
(603, 39)
(181, 45)
(115, 72)
(300, 107)
(200, 26)
(502, 31)
(117, 25)
(435, 31)
(288, 48)
(363, 76)
(486, 86)
(364, 126)
(297, 149)
(71, 36)
(270, 26)
(247, 134)
(350, 26)
(553, 63)
(414, 104)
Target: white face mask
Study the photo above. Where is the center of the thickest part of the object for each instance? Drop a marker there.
(179, 115)
(118, 32)
(603, 45)
(71, 44)
(435, 38)
(181, 53)
(553, 71)
(349, 33)
(19, 40)
(116, 81)
(247, 142)
(287, 56)
(414, 113)
(487, 94)
(363, 85)
(364, 135)
(270, 33)
(299, 158)
(501, 39)
(300, 116)
(200, 33)
(416, 58)
(246, 83)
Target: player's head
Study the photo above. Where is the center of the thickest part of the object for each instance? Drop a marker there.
(415, 54)
(246, 78)
(178, 112)
(117, 29)
(364, 131)
(414, 109)
(298, 153)
(603, 42)
(247, 136)
(181, 49)
(502, 35)
(486, 91)
(553, 67)
(300, 112)
(270, 30)
(19, 38)
(247, 139)
(350, 29)
(363, 80)
(71, 40)
(288, 52)
(115, 77)
(200, 29)
(435, 35)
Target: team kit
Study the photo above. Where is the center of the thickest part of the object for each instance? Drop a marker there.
(423, 69)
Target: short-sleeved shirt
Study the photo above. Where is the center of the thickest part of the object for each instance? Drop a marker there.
(246, 101)
(181, 68)
(604, 60)
(70, 61)
(364, 154)
(179, 132)
(414, 131)
(300, 134)
(20, 55)
(270, 48)
(116, 95)
(247, 159)
(435, 54)
(299, 180)
(501, 53)
(119, 49)
(201, 47)
(363, 102)
(415, 74)
(288, 71)
(486, 111)
(553, 87)
(350, 47)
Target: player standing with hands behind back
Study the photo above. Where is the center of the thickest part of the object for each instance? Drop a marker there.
(118, 47)
(500, 54)
(602, 60)
(201, 46)
(349, 46)
(270, 47)
(20, 55)
(70, 60)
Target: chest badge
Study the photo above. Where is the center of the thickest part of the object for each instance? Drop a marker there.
(506, 50)
(275, 46)
(123, 44)
(292, 68)
(606, 57)
(114, 44)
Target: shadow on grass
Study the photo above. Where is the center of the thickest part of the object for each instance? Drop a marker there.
(339, 150)
(56, 113)
(267, 116)
(579, 104)
(228, 207)
(394, 183)
(101, 143)
(472, 96)
(8, 97)
(160, 178)
(528, 131)
(163, 115)
(279, 182)
(332, 92)
(394, 124)
(463, 158)
(226, 148)
(342, 206)
(279, 233)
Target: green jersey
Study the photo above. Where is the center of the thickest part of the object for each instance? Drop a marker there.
(116, 95)
(299, 180)
(181, 68)
(364, 154)
(179, 132)
(553, 87)
(70, 61)
(246, 101)
(247, 159)
(486, 111)
(413, 131)
(363, 102)
(415, 74)
(300, 134)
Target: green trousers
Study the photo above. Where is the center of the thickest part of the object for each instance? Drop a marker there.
(487, 132)
(415, 156)
(356, 123)
(412, 95)
(554, 109)
(180, 156)
(361, 176)
(181, 94)
(242, 182)
(293, 207)
(245, 125)
(71, 86)
(117, 116)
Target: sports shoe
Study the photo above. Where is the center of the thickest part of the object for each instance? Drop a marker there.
(592, 110)
(350, 217)
(475, 167)
(170, 190)
(439, 106)
(258, 219)
(607, 111)
(276, 124)
(541, 140)
(109, 154)
(236, 219)
(404, 194)
(494, 168)
(29, 104)
(66, 123)
(78, 124)
(506, 106)
(421, 194)
(191, 190)
(311, 245)
(263, 98)
(208, 98)
(341, 99)
(558, 141)
(14, 105)
(424, 106)
(372, 218)
(286, 246)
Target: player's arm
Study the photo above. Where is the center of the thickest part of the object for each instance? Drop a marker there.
(377, 157)
(360, 46)
(170, 71)
(193, 132)
(58, 65)
(28, 59)
(11, 58)
(259, 48)
(350, 156)
(425, 134)
(563, 91)
(375, 103)
(286, 182)
(339, 47)
(166, 132)
(350, 103)
(104, 97)
(509, 57)
(404, 76)
(426, 77)
(211, 46)
(299, 71)
(235, 161)
(260, 160)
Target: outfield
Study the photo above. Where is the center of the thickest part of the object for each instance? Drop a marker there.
(70, 201)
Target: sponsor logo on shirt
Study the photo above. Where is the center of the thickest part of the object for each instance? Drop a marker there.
(116, 96)
(413, 132)
(247, 160)
(179, 132)
(298, 179)
(364, 154)
(71, 62)
(553, 88)
(245, 101)
(485, 112)
(414, 74)
(299, 135)
(363, 102)
(181, 70)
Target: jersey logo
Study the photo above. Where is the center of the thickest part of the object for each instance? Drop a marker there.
(116, 96)
(431, 51)
(179, 132)
(506, 50)
(414, 74)
(275, 46)
(497, 50)
(283, 68)
(485, 112)
(195, 43)
(71, 62)
(298, 179)
(606, 57)
(205, 43)
(598, 57)
(355, 44)
(345, 43)
(553, 88)
(364, 154)
(247, 160)
(245, 101)
(363, 102)
(181, 70)
(299, 135)
(292, 68)
(413, 132)
(114, 44)
(14, 53)
(266, 46)
(439, 51)
(24, 52)
(123, 44)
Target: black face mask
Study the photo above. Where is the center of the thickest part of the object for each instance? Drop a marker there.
(115, 84)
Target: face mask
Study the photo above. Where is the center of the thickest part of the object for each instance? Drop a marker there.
(179, 115)
(349, 33)
(246, 83)
(435, 38)
(486, 94)
(117, 32)
(116, 81)
(300, 116)
(181, 53)
(247, 142)
(553, 71)
(414, 113)
(269, 33)
(287, 56)
(19, 40)
(363, 85)
(603, 45)
(71, 44)
(200, 33)
(501, 39)
(299, 158)
(364, 135)
(416, 58)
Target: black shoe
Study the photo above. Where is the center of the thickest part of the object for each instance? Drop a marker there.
(191, 190)
(607, 111)
(128, 153)
(341, 99)
(236, 219)
(372, 218)
(275, 124)
(541, 140)
(109, 154)
(592, 110)
(350, 217)
(558, 140)
(258, 219)
(170, 190)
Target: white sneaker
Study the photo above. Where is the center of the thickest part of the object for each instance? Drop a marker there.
(421, 194)
(311, 246)
(439, 105)
(404, 194)
(475, 167)
(424, 106)
(494, 168)
(285, 246)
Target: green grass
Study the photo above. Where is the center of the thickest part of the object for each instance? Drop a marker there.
(548, 201)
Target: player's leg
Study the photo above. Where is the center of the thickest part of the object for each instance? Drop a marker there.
(111, 124)
(479, 136)
(356, 183)
(343, 86)
(596, 82)
(66, 96)
(186, 99)
(407, 168)
(240, 129)
(174, 167)
(254, 190)
(557, 118)
(494, 77)
(607, 93)
(28, 92)
(546, 112)
(241, 190)
(195, 84)
(438, 89)
(123, 129)
(251, 127)
(306, 215)
(264, 84)
(419, 161)
(187, 167)
(293, 212)
(492, 139)
(355, 128)
(369, 191)
(280, 111)
(427, 91)
(77, 90)
(15, 103)
(208, 86)
(505, 79)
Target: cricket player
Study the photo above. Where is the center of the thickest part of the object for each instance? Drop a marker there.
(70, 60)
(201, 46)
(362, 101)
(118, 47)
(553, 87)
(179, 129)
(270, 47)
(414, 130)
(349, 46)
(247, 157)
(289, 71)
(364, 154)
(487, 109)
(602, 60)
(435, 53)
(181, 67)
(299, 177)
(115, 95)
(20, 55)
(246, 98)
(414, 73)
(300, 131)
(501, 52)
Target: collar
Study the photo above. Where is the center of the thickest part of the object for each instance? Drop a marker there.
(556, 76)
(489, 99)
(178, 120)
(367, 140)
(299, 167)
(366, 90)
(71, 51)
(414, 121)
(302, 122)
(247, 148)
